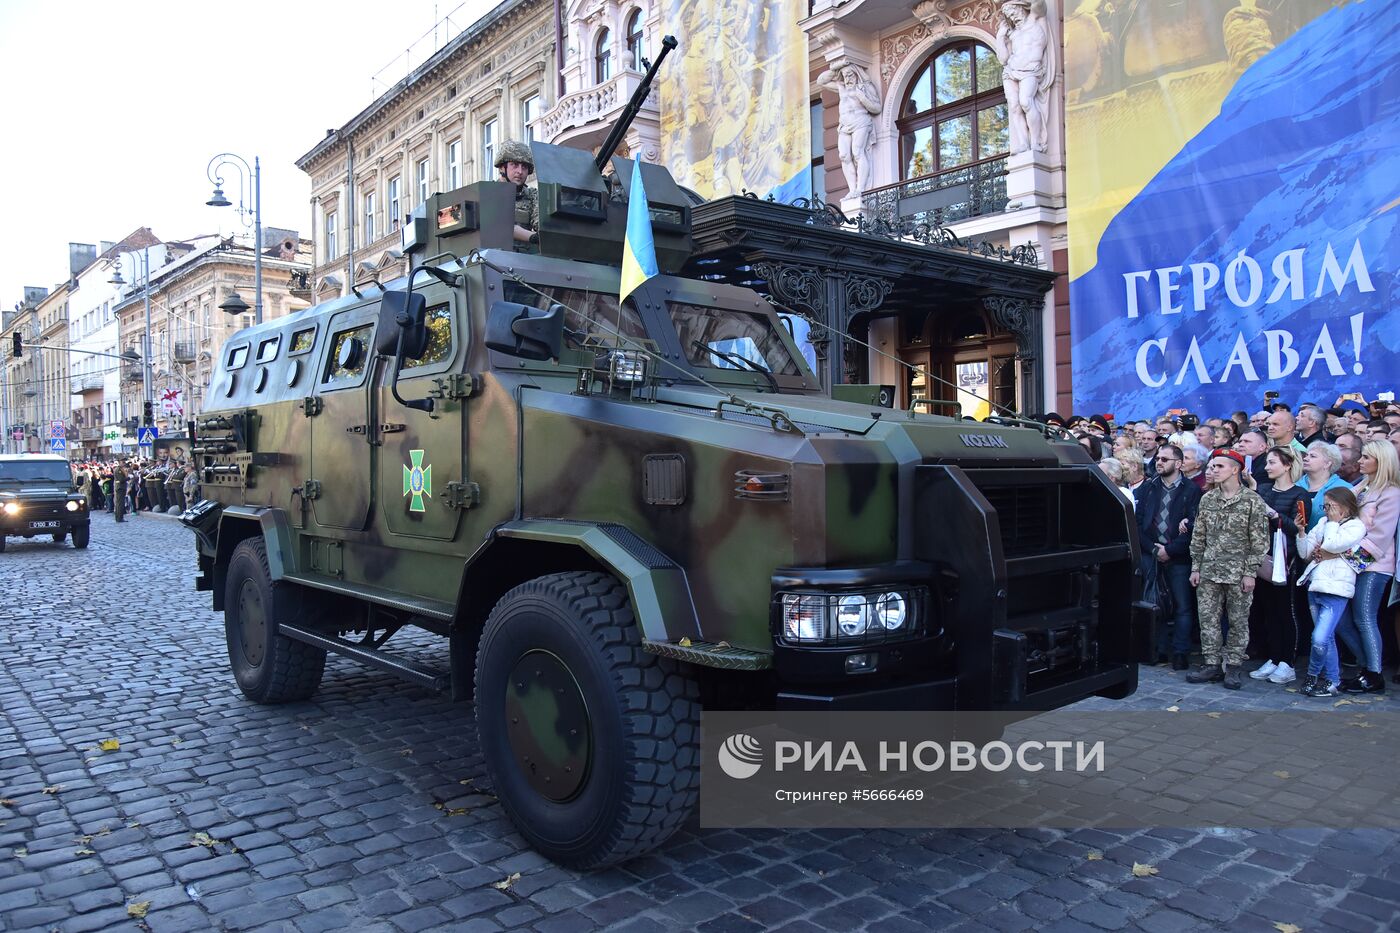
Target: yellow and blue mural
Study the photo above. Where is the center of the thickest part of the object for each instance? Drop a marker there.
(734, 110)
(1232, 185)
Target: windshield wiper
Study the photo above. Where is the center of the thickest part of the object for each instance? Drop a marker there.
(740, 362)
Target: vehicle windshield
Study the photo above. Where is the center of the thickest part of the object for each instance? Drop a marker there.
(594, 314)
(35, 471)
(719, 338)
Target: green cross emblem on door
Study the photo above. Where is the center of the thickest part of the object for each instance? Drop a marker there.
(417, 480)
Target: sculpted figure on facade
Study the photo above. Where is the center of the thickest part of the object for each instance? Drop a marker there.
(1026, 51)
(860, 103)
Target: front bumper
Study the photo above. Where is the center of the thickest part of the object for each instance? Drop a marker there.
(41, 518)
(1035, 576)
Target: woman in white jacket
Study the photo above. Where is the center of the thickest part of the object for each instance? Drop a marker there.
(1331, 582)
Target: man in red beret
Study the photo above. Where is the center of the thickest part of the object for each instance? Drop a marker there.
(1228, 543)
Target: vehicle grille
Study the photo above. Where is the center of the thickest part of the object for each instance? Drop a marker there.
(1024, 515)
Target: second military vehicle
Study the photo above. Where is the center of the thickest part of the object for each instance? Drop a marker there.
(615, 513)
(38, 498)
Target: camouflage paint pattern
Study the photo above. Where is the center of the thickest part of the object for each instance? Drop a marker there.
(536, 452)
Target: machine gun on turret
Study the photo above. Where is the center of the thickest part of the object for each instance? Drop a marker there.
(634, 106)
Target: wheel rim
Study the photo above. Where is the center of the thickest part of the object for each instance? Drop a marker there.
(547, 723)
(252, 623)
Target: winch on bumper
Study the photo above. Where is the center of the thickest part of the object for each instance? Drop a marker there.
(1022, 596)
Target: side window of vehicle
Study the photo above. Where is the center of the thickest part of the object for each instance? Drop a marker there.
(237, 357)
(267, 350)
(439, 321)
(302, 341)
(348, 357)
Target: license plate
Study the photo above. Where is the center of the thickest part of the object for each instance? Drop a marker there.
(44, 524)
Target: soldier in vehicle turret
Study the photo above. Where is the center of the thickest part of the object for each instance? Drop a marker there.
(516, 164)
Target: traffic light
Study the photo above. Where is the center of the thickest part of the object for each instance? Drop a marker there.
(148, 416)
(19, 344)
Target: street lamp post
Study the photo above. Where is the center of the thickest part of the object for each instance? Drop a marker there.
(218, 200)
(116, 279)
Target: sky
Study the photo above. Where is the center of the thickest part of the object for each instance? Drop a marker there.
(111, 112)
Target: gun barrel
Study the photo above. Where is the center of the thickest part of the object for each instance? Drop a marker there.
(634, 105)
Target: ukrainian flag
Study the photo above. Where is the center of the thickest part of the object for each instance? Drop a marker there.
(638, 247)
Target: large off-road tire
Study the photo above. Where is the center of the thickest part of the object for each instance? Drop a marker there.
(269, 667)
(80, 536)
(2, 544)
(59, 537)
(592, 744)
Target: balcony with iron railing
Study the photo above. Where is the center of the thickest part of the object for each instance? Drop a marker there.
(972, 190)
(185, 351)
(86, 382)
(593, 109)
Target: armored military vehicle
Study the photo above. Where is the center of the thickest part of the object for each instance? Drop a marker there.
(37, 497)
(616, 513)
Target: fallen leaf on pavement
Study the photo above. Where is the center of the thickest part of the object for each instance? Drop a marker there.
(84, 851)
(505, 885)
(1143, 871)
(1287, 927)
(1341, 703)
(1215, 715)
(109, 745)
(206, 840)
(21, 852)
(53, 789)
(1095, 856)
(1282, 774)
(7, 802)
(1173, 709)
(1360, 725)
(684, 642)
(137, 911)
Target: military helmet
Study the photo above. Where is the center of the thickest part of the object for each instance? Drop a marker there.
(513, 150)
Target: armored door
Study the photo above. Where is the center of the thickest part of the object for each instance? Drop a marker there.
(422, 483)
(341, 431)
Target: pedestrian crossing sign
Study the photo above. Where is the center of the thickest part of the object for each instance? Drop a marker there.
(58, 445)
(145, 437)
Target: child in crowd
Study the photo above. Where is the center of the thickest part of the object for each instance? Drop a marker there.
(1331, 579)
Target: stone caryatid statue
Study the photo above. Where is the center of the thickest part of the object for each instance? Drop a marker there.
(860, 102)
(1026, 50)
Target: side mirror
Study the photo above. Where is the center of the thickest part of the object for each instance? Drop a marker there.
(406, 313)
(526, 332)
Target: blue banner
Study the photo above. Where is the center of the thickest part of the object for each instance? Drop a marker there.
(1263, 254)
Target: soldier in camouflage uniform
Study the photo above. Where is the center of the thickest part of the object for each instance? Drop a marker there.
(1228, 543)
(515, 164)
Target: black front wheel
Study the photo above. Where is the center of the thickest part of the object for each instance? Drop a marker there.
(592, 744)
(59, 537)
(269, 667)
(80, 536)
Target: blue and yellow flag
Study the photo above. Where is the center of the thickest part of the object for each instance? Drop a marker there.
(638, 248)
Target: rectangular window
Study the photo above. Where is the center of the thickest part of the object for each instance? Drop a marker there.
(439, 321)
(421, 177)
(529, 113)
(454, 165)
(488, 149)
(302, 341)
(332, 251)
(267, 350)
(392, 221)
(369, 217)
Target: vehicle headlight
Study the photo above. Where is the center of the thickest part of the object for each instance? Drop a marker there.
(852, 615)
(851, 618)
(73, 505)
(11, 508)
(891, 610)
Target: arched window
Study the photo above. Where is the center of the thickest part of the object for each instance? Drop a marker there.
(954, 111)
(634, 38)
(602, 57)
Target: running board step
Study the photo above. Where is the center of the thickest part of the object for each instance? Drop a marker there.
(411, 671)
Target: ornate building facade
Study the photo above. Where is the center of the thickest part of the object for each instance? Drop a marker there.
(435, 130)
(967, 136)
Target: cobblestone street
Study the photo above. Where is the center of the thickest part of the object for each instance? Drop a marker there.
(142, 791)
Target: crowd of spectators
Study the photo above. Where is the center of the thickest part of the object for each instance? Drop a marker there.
(167, 484)
(1272, 534)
